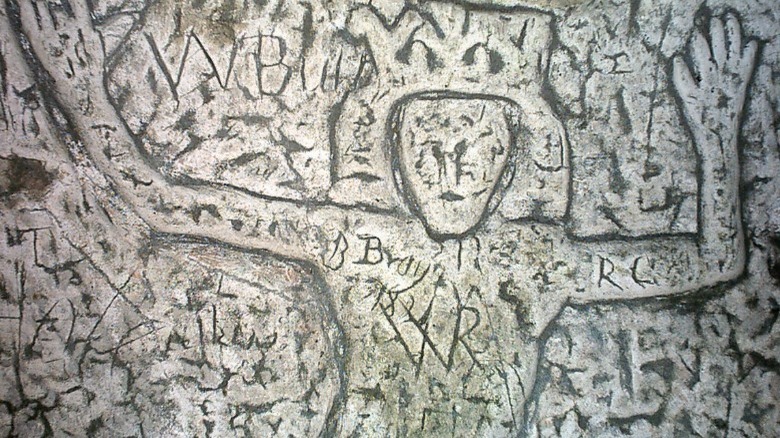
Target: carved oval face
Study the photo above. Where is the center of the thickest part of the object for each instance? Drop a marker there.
(452, 153)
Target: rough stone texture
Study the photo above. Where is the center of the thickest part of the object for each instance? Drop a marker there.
(351, 218)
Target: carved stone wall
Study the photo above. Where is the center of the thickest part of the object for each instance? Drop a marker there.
(397, 218)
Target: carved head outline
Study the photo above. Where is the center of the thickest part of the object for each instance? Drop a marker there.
(450, 153)
(473, 56)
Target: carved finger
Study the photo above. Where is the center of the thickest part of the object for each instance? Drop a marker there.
(47, 22)
(702, 57)
(27, 14)
(32, 16)
(746, 67)
(682, 78)
(734, 37)
(686, 87)
(718, 36)
(81, 12)
(749, 53)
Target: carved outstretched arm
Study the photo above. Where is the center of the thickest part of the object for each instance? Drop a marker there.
(71, 52)
(712, 91)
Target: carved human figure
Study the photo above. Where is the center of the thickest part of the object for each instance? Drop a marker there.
(442, 303)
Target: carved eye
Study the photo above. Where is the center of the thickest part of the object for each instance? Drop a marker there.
(433, 147)
(427, 164)
(467, 120)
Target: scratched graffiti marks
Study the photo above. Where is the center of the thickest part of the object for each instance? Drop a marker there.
(440, 157)
(614, 97)
(178, 348)
(236, 98)
(105, 333)
(652, 381)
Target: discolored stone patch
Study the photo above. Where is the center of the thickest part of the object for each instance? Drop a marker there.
(25, 175)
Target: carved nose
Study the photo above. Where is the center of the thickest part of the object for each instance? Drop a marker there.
(452, 164)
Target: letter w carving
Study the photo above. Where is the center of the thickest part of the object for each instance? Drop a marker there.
(173, 83)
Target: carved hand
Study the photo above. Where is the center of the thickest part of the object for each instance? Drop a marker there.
(69, 49)
(713, 96)
(713, 87)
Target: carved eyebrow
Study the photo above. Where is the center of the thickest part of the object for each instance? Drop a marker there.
(487, 133)
(498, 151)
(468, 119)
(433, 143)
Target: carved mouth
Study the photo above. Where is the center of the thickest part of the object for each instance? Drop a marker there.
(451, 197)
(479, 193)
